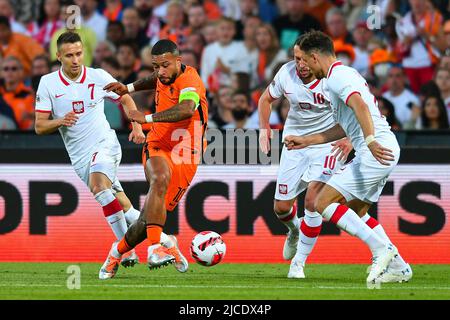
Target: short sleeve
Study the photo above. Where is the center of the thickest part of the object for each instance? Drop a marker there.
(275, 88)
(104, 79)
(43, 99)
(343, 84)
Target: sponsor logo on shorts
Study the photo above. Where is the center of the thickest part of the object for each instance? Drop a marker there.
(283, 188)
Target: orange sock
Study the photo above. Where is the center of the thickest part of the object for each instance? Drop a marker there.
(123, 246)
(154, 233)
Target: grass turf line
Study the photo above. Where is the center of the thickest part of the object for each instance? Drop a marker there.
(224, 281)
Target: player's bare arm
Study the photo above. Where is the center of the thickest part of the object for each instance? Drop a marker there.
(361, 110)
(45, 125)
(300, 142)
(136, 134)
(264, 110)
(147, 83)
(181, 111)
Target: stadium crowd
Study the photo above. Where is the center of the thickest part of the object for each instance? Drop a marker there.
(402, 47)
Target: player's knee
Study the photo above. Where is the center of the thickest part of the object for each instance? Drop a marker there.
(281, 207)
(159, 182)
(96, 188)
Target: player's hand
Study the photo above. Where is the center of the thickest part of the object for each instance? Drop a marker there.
(70, 119)
(341, 149)
(296, 142)
(136, 135)
(137, 116)
(382, 154)
(265, 135)
(116, 87)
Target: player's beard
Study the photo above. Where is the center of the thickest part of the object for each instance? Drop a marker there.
(171, 80)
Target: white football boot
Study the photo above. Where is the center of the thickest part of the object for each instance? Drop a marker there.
(400, 275)
(290, 244)
(380, 263)
(296, 270)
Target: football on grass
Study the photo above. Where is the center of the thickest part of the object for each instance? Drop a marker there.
(207, 248)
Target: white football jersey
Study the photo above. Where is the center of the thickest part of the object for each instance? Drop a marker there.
(59, 95)
(342, 83)
(310, 111)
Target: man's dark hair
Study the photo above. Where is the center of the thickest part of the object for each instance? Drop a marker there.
(4, 21)
(315, 41)
(112, 61)
(131, 44)
(165, 46)
(116, 23)
(240, 92)
(67, 37)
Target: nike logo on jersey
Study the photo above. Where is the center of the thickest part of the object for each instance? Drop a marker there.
(59, 95)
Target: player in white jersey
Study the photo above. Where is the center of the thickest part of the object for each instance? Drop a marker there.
(71, 100)
(309, 168)
(359, 183)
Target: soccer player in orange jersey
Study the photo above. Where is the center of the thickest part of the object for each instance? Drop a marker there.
(170, 155)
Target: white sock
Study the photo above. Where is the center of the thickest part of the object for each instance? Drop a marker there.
(397, 262)
(131, 215)
(112, 212)
(290, 219)
(347, 220)
(309, 232)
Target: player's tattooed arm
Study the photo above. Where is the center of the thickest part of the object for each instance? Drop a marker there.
(183, 110)
(147, 83)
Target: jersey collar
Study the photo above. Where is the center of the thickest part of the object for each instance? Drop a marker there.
(67, 81)
(336, 63)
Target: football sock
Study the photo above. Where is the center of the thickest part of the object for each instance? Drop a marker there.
(398, 261)
(309, 232)
(290, 219)
(154, 234)
(112, 212)
(131, 215)
(123, 246)
(347, 220)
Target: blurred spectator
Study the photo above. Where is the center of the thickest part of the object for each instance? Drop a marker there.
(434, 115)
(442, 80)
(196, 43)
(221, 58)
(388, 111)
(146, 57)
(7, 120)
(145, 99)
(270, 53)
(159, 9)
(55, 65)
(113, 10)
(240, 81)
(417, 32)
(229, 8)
(247, 8)
(344, 52)
(281, 107)
(403, 99)
(428, 89)
(39, 67)
(241, 110)
(87, 36)
(188, 57)
(248, 61)
(103, 50)
(354, 11)
(196, 17)
(295, 22)
(175, 29)
(115, 32)
(362, 36)
(18, 45)
(318, 9)
(336, 26)
(213, 11)
(209, 32)
(49, 22)
(91, 18)
(133, 31)
(112, 66)
(7, 10)
(380, 63)
(445, 60)
(127, 56)
(447, 33)
(391, 40)
(220, 108)
(18, 96)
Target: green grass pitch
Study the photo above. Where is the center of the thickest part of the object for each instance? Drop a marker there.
(224, 281)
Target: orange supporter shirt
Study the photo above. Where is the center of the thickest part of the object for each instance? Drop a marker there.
(21, 102)
(24, 48)
(166, 135)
